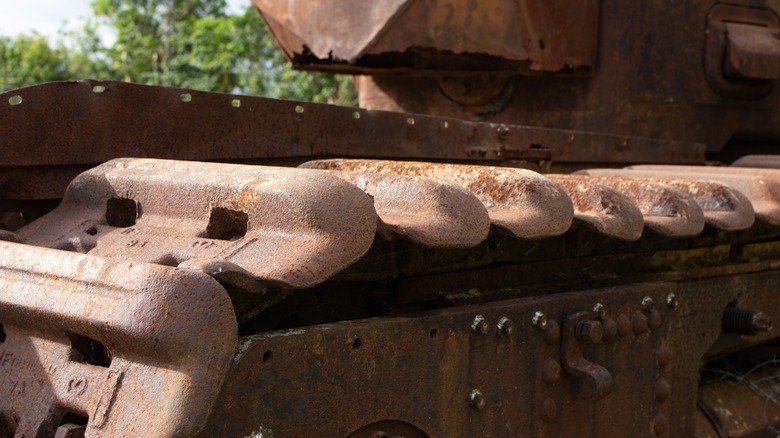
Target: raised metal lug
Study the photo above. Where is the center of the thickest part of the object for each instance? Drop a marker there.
(578, 332)
(110, 341)
(524, 203)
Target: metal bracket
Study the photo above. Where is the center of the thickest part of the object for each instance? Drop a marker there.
(578, 332)
(738, 56)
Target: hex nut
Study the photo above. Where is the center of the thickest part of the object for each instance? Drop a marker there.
(599, 311)
(505, 326)
(539, 320)
(480, 325)
(671, 301)
(476, 399)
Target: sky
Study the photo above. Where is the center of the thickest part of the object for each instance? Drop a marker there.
(47, 17)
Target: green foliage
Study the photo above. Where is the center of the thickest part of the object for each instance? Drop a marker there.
(176, 43)
(30, 59)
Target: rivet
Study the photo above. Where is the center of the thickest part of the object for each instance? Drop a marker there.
(663, 356)
(505, 326)
(639, 323)
(654, 322)
(610, 329)
(599, 311)
(551, 371)
(660, 424)
(476, 400)
(662, 390)
(480, 325)
(539, 320)
(671, 301)
(548, 410)
(647, 303)
(552, 333)
(623, 325)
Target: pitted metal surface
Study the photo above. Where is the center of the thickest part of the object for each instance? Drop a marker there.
(760, 186)
(522, 202)
(602, 208)
(500, 35)
(666, 211)
(139, 349)
(291, 227)
(427, 211)
(724, 208)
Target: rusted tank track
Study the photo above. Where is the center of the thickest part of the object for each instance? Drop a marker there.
(365, 297)
(583, 290)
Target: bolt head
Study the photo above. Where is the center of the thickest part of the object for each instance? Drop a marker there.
(590, 331)
(476, 400)
(539, 320)
(671, 301)
(480, 325)
(761, 322)
(599, 311)
(505, 326)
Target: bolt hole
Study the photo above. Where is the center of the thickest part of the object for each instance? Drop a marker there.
(73, 418)
(357, 343)
(91, 231)
(167, 260)
(356, 115)
(15, 100)
(267, 356)
(433, 333)
(72, 425)
(236, 103)
(8, 424)
(226, 224)
(98, 89)
(2, 334)
(121, 212)
(89, 351)
(185, 97)
(299, 109)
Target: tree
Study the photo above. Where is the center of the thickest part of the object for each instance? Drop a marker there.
(191, 44)
(30, 59)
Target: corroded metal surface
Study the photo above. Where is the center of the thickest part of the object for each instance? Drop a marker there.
(665, 210)
(136, 349)
(524, 203)
(429, 212)
(724, 208)
(601, 208)
(470, 382)
(41, 151)
(392, 35)
(288, 226)
(760, 186)
(693, 95)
